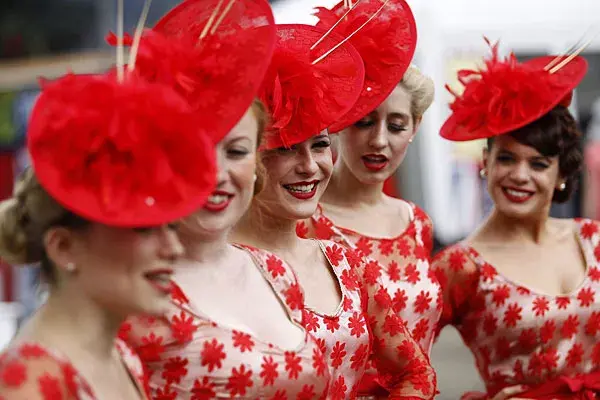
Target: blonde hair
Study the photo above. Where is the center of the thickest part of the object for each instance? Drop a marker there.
(262, 118)
(421, 89)
(25, 217)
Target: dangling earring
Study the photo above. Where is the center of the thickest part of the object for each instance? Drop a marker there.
(482, 173)
(562, 186)
(70, 267)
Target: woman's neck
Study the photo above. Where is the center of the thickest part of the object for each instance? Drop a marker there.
(345, 190)
(206, 248)
(260, 229)
(499, 226)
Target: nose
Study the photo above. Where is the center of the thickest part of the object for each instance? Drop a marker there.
(306, 163)
(171, 248)
(520, 173)
(222, 172)
(378, 136)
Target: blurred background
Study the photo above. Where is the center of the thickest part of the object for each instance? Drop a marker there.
(49, 37)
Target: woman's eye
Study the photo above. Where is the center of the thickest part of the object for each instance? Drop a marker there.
(364, 123)
(396, 128)
(322, 144)
(237, 153)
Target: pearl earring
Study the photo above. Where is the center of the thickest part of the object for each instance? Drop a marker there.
(482, 173)
(255, 177)
(562, 186)
(70, 267)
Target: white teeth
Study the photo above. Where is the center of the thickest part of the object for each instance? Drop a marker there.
(217, 199)
(378, 159)
(517, 193)
(301, 188)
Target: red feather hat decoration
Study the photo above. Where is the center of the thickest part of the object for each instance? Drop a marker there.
(305, 92)
(386, 38)
(214, 53)
(506, 95)
(127, 154)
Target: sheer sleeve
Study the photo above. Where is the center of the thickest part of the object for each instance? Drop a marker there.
(29, 372)
(458, 276)
(404, 370)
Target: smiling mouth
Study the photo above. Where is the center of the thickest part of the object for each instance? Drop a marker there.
(302, 190)
(516, 195)
(160, 279)
(218, 201)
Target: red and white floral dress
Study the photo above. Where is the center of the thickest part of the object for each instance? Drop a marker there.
(189, 356)
(364, 323)
(551, 344)
(33, 372)
(405, 273)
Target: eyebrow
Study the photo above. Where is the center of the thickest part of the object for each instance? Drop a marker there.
(399, 115)
(321, 136)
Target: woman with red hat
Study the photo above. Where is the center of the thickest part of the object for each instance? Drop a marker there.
(374, 136)
(109, 177)
(228, 332)
(522, 290)
(314, 78)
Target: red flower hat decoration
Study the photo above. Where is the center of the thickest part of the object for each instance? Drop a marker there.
(124, 154)
(386, 44)
(305, 95)
(506, 95)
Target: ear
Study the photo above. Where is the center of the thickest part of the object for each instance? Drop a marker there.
(485, 156)
(61, 245)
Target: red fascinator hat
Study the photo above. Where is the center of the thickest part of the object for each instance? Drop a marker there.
(212, 52)
(120, 153)
(505, 95)
(385, 35)
(308, 87)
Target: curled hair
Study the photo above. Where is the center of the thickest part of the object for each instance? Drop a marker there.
(555, 134)
(262, 119)
(421, 89)
(24, 219)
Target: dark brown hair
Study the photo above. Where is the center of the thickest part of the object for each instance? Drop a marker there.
(555, 134)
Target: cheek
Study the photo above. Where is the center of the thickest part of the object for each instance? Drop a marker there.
(243, 173)
(352, 141)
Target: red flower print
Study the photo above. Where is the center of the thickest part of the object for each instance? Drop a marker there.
(585, 297)
(547, 331)
(420, 330)
(165, 393)
(392, 325)
(363, 246)
(70, 374)
(182, 327)
(243, 341)
(421, 253)
(124, 331)
(441, 277)
(411, 273)
(593, 324)
(333, 323)
(294, 297)
(386, 247)
(319, 363)
(540, 306)
(528, 339)
(512, 315)
(456, 260)
(178, 296)
(50, 387)
(490, 324)
(422, 302)
(175, 369)
(151, 348)
(347, 304)
(596, 355)
(292, 364)
(322, 345)
(307, 393)
(575, 355)
(500, 295)
(597, 252)
(323, 228)
(403, 247)
(570, 326)
(32, 351)
(562, 302)
(399, 301)
(523, 291)
(239, 381)
(393, 271)
(279, 395)
(357, 324)
(269, 371)
(503, 348)
(310, 321)
(212, 355)
(334, 254)
(359, 358)
(354, 259)
(349, 280)
(588, 230)
(595, 274)
(275, 266)
(383, 299)
(372, 272)
(13, 374)
(337, 354)
(301, 230)
(338, 390)
(488, 272)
